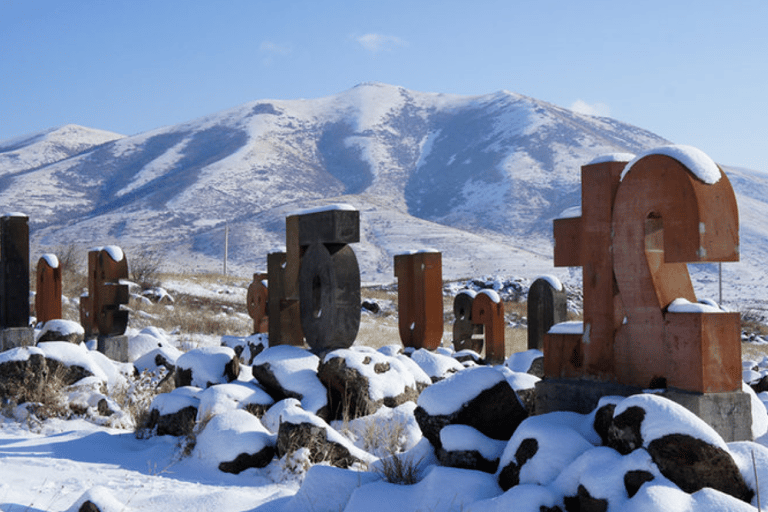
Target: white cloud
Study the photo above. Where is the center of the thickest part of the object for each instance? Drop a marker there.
(272, 48)
(594, 109)
(379, 42)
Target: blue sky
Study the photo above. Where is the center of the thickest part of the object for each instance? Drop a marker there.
(695, 72)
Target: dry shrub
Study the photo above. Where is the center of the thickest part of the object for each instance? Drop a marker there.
(43, 396)
(144, 267)
(136, 395)
(73, 262)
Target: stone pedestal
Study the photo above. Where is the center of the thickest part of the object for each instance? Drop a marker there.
(14, 337)
(730, 414)
(114, 347)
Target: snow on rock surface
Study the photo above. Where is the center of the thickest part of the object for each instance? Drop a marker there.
(19, 354)
(601, 471)
(449, 395)
(295, 371)
(387, 376)
(698, 162)
(229, 434)
(70, 354)
(664, 417)
(290, 412)
(557, 445)
(206, 364)
(155, 358)
(65, 328)
(247, 346)
(102, 497)
(457, 438)
(519, 380)
(235, 395)
(521, 361)
(436, 366)
(176, 400)
(759, 416)
(147, 340)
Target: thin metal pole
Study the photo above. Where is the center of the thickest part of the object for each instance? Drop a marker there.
(226, 246)
(720, 275)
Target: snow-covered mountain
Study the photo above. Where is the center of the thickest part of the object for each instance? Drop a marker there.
(479, 178)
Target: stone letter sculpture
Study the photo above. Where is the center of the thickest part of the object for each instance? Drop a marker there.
(420, 299)
(329, 276)
(546, 307)
(488, 310)
(100, 309)
(466, 333)
(48, 290)
(14, 274)
(636, 233)
(256, 302)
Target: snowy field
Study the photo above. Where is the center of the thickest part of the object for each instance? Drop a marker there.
(57, 465)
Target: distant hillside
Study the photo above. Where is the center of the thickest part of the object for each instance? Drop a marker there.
(479, 177)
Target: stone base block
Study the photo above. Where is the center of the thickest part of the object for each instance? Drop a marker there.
(730, 414)
(114, 347)
(13, 337)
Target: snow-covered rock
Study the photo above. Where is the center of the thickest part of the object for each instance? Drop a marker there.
(206, 366)
(147, 340)
(437, 366)
(479, 397)
(61, 330)
(300, 429)
(174, 413)
(361, 380)
(686, 450)
(246, 347)
(235, 395)
(234, 441)
(286, 371)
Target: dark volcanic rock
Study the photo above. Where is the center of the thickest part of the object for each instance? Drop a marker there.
(179, 423)
(693, 464)
(509, 476)
(467, 459)
(624, 431)
(496, 412)
(584, 502)
(634, 480)
(249, 460)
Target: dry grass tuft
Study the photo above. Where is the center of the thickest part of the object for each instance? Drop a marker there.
(400, 469)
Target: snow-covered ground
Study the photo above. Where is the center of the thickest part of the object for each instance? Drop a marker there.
(56, 465)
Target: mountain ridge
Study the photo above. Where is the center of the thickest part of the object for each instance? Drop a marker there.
(477, 177)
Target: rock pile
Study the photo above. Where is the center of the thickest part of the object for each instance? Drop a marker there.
(361, 408)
